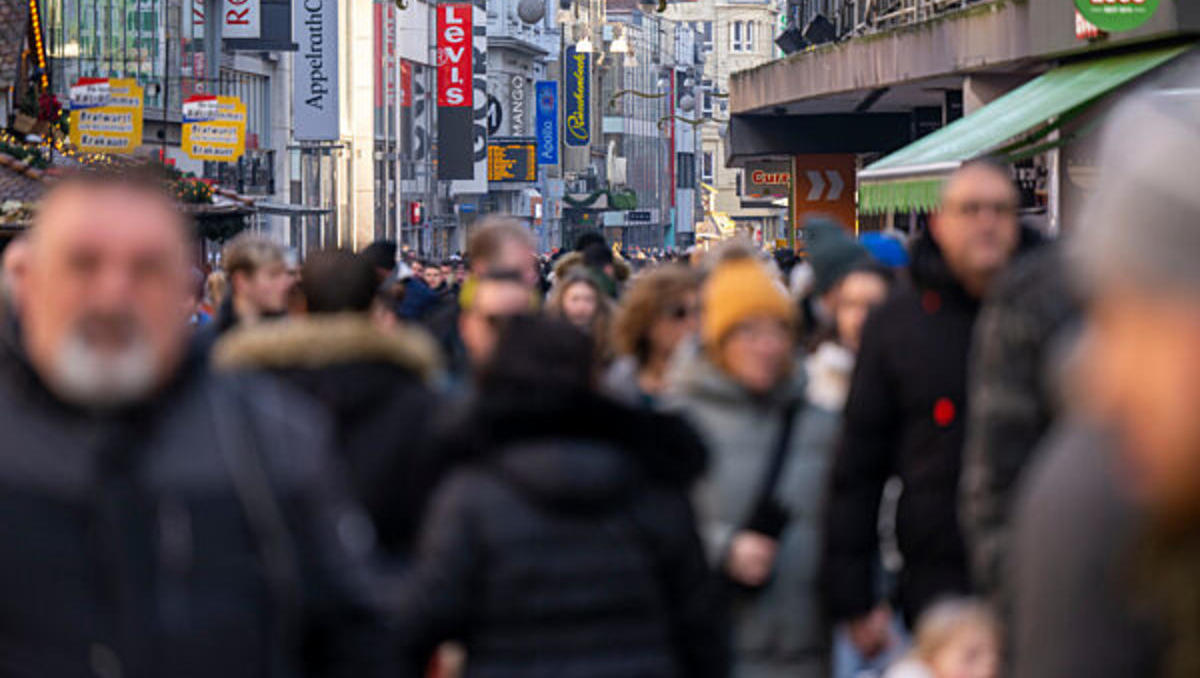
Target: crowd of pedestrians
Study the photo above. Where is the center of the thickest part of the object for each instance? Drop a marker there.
(967, 454)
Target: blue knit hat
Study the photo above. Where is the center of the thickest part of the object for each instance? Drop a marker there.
(887, 250)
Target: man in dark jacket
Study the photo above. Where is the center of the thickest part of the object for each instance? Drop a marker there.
(162, 522)
(1024, 333)
(905, 411)
(372, 379)
(564, 544)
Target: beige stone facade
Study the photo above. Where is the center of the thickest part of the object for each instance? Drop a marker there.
(736, 36)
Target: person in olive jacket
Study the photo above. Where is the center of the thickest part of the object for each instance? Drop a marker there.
(563, 544)
(906, 409)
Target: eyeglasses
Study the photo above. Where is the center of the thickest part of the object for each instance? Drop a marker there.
(973, 208)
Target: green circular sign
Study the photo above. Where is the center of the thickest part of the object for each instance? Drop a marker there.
(1116, 15)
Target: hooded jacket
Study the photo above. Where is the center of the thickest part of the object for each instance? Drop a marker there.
(373, 385)
(198, 534)
(563, 545)
(905, 416)
(781, 625)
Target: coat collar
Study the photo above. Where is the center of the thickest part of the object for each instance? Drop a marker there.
(316, 341)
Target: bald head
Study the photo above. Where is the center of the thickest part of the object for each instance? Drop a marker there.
(106, 288)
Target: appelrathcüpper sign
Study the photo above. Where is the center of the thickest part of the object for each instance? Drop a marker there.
(106, 115)
(577, 92)
(1117, 15)
(214, 128)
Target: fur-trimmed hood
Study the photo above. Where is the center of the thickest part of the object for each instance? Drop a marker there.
(318, 341)
(571, 260)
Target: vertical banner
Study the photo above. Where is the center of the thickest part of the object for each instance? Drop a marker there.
(214, 128)
(241, 19)
(546, 121)
(455, 89)
(577, 93)
(315, 75)
(106, 115)
(477, 137)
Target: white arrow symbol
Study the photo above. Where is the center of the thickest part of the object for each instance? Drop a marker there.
(818, 185)
(835, 184)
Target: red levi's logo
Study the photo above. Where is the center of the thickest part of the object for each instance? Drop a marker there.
(454, 56)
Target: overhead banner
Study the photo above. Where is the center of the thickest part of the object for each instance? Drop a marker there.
(106, 115)
(577, 93)
(547, 122)
(455, 91)
(241, 19)
(315, 75)
(478, 136)
(214, 128)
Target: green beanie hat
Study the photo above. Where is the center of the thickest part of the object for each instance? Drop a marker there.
(832, 252)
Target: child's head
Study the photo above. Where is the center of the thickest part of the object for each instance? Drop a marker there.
(959, 639)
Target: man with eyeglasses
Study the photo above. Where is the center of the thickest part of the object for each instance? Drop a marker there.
(906, 409)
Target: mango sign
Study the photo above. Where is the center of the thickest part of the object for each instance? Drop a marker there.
(106, 115)
(214, 128)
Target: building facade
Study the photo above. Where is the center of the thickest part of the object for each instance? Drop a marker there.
(733, 35)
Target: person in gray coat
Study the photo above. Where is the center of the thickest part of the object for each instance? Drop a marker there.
(740, 392)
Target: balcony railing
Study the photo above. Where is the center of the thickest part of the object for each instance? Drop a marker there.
(852, 18)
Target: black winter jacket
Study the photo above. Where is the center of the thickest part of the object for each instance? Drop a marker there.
(199, 535)
(905, 416)
(373, 384)
(564, 546)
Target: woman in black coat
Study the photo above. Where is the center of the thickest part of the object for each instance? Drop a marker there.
(563, 543)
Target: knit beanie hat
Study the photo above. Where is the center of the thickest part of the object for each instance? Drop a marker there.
(737, 290)
(832, 252)
(1141, 226)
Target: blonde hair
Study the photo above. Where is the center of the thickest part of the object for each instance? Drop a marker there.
(216, 286)
(249, 252)
(940, 623)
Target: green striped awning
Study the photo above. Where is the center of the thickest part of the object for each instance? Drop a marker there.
(910, 178)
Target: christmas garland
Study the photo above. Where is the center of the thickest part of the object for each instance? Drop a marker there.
(620, 200)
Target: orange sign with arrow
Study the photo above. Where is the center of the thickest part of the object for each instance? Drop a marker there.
(825, 184)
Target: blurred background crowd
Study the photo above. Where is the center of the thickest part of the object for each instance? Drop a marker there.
(967, 455)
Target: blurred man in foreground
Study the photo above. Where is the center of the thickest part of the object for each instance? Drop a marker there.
(905, 411)
(171, 523)
(1098, 511)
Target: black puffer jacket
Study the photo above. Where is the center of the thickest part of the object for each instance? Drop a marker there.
(906, 417)
(564, 546)
(198, 535)
(373, 385)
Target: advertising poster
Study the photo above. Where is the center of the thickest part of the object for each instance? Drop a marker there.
(106, 115)
(214, 128)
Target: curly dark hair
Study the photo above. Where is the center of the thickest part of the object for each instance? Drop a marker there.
(645, 301)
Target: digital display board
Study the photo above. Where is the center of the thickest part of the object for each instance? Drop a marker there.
(512, 160)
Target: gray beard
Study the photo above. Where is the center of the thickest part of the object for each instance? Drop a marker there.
(86, 377)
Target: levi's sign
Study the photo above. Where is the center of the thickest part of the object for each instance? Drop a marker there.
(454, 56)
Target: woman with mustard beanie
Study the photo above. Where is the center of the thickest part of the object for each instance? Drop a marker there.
(759, 505)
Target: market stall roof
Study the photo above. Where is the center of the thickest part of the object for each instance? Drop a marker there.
(911, 178)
